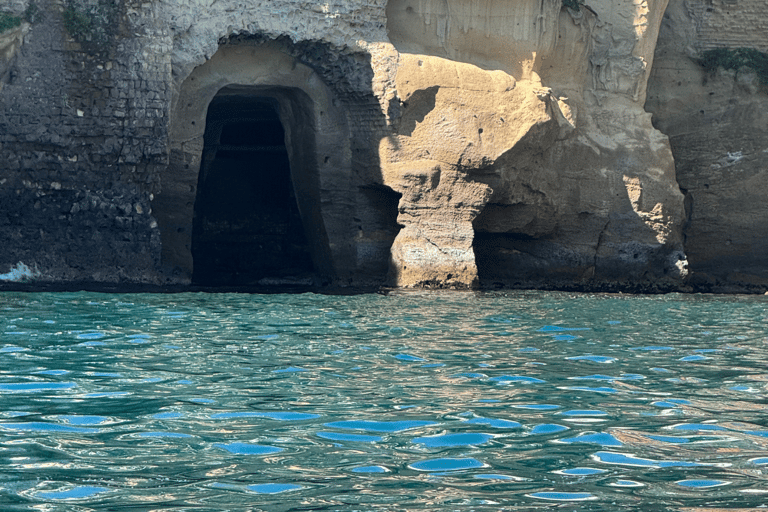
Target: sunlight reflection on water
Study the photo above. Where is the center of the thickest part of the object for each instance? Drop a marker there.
(418, 401)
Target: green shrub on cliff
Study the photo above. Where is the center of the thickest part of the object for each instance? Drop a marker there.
(736, 58)
(573, 4)
(77, 23)
(90, 21)
(8, 22)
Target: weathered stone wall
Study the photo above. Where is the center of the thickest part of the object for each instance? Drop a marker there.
(81, 140)
(717, 123)
(726, 23)
(93, 117)
(431, 143)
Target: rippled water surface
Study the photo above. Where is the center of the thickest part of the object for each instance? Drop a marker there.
(417, 401)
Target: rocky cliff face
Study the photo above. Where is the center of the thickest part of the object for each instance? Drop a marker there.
(717, 123)
(79, 152)
(461, 144)
(527, 118)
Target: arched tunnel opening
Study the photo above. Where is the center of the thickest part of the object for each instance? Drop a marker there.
(247, 225)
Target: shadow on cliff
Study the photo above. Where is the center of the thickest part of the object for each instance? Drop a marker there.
(414, 110)
(537, 231)
(566, 212)
(321, 96)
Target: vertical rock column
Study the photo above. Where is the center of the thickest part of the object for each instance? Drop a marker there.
(434, 248)
(454, 121)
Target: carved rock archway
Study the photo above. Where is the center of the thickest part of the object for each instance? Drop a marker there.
(316, 140)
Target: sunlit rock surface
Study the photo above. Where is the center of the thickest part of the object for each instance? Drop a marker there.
(522, 149)
(471, 143)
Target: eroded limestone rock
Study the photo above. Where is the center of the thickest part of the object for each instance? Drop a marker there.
(534, 113)
(717, 123)
(431, 143)
(10, 42)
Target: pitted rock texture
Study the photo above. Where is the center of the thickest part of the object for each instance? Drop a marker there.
(717, 123)
(553, 172)
(443, 144)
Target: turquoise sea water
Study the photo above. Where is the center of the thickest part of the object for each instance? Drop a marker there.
(410, 401)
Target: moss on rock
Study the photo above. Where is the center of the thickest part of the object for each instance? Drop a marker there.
(8, 21)
(90, 21)
(736, 58)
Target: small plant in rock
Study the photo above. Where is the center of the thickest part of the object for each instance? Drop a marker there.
(78, 23)
(8, 21)
(90, 20)
(736, 58)
(572, 4)
(31, 12)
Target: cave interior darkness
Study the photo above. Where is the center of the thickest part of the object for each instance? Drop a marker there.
(247, 225)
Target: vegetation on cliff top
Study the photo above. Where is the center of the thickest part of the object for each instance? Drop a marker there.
(78, 23)
(736, 58)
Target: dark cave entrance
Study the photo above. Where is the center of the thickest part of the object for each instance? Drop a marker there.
(247, 225)
(507, 257)
(499, 258)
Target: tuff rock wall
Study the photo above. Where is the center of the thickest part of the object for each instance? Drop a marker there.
(431, 143)
(523, 151)
(717, 123)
